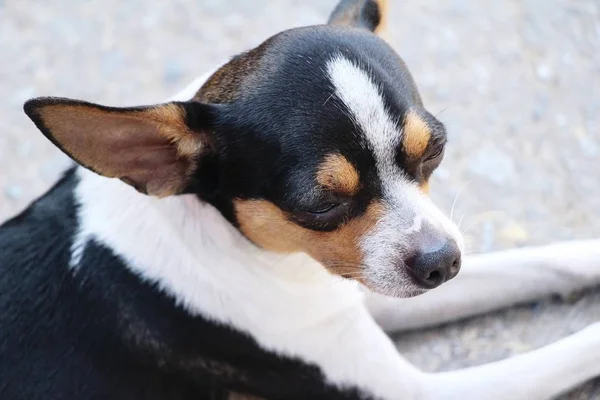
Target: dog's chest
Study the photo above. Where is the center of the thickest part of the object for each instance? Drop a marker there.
(190, 351)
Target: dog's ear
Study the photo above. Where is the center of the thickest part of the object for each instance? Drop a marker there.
(366, 14)
(155, 149)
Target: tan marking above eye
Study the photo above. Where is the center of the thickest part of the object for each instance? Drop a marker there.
(267, 226)
(338, 174)
(416, 135)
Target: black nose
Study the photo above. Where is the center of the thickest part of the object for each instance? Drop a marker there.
(432, 267)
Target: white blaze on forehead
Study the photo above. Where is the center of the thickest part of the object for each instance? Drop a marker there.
(407, 209)
(362, 97)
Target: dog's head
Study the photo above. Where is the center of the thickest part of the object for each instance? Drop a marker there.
(316, 141)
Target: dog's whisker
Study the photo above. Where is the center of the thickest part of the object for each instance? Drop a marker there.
(464, 186)
(468, 228)
(444, 109)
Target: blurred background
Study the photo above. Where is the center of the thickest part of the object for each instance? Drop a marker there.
(516, 82)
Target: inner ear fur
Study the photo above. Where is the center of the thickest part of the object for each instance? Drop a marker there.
(366, 14)
(154, 148)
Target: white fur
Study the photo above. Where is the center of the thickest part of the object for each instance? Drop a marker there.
(406, 206)
(363, 99)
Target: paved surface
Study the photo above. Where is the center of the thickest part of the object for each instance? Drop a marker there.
(516, 82)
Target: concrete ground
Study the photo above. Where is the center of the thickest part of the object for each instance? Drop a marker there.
(516, 82)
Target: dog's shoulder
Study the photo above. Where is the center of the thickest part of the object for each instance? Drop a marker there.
(34, 246)
(38, 238)
(50, 214)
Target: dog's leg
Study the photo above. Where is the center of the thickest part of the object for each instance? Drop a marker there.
(491, 281)
(357, 352)
(538, 375)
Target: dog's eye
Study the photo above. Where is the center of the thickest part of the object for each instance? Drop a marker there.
(323, 216)
(324, 208)
(327, 211)
(436, 154)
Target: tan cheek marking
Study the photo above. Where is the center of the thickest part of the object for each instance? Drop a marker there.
(337, 174)
(266, 225)
(416, 135)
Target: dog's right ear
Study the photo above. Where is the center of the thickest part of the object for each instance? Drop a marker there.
(366, 14)
(155, 149)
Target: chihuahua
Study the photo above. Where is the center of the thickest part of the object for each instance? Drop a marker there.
(257, 235)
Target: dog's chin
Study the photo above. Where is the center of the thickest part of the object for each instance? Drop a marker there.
(402, 293)
(390, 288)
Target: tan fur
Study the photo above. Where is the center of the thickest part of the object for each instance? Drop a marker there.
(267, 226)
(381, 29)
(228, 82)
(151, 149)
(416, 135)
(425, 187)
(337, 174)
(170, 120)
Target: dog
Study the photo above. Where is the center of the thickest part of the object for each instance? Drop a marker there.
(257, 235)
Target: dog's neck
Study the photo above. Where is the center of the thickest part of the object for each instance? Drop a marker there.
(190, 250)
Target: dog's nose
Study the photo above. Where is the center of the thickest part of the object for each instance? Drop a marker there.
(433, 266)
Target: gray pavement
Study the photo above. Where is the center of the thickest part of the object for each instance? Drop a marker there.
(517, 83)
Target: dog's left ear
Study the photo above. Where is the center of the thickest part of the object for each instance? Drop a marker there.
(155, 149)
(366, 14)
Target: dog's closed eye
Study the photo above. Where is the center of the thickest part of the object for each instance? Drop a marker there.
(436, 153)
(324, 216)
(323, 209)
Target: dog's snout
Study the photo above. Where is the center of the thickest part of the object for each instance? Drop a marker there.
(432, 266)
